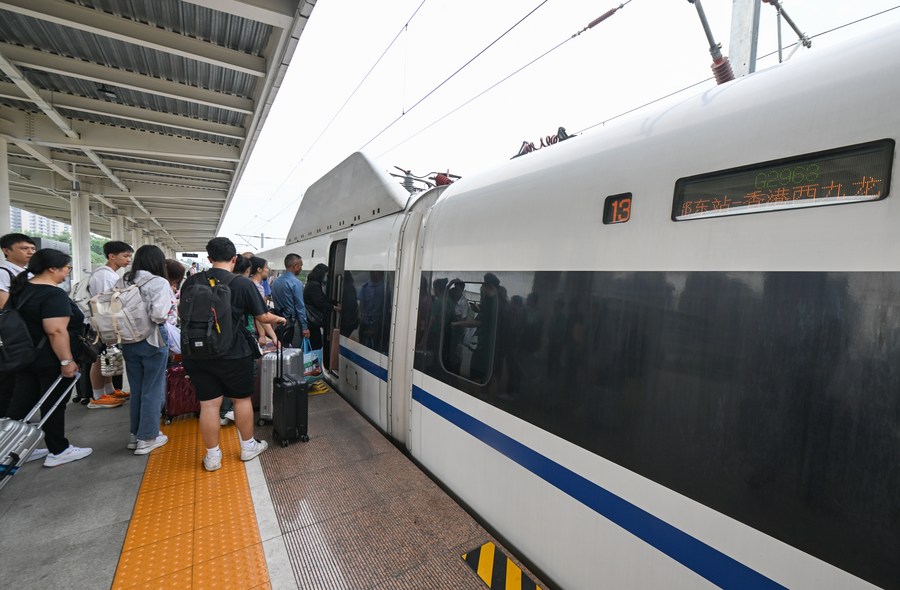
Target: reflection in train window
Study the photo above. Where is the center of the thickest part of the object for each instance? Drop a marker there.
(373, 290)
(469, 328)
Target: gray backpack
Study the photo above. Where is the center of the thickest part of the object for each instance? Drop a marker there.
(120, 316)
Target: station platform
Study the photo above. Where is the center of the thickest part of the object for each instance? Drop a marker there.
(347, 510)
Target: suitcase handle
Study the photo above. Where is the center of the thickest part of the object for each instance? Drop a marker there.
(46, 395)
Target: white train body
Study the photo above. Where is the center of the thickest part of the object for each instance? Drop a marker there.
(707, 400)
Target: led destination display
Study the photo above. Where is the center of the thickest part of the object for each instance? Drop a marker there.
(845, 175)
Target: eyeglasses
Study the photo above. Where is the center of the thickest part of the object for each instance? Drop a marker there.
(69, 266)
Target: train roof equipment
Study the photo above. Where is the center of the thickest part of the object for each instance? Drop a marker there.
(352, 192)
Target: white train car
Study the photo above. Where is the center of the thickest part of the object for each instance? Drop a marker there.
(663, 355)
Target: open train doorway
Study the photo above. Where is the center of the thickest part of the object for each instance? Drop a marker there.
(336, 257)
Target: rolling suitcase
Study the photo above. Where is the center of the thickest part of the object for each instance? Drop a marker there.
(181, 398)
(293, 360)
(290, 401)
(18, 438)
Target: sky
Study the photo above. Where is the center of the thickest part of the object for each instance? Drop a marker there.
(646, 50)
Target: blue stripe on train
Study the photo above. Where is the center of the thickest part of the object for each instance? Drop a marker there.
(366, 364)
(694, 554)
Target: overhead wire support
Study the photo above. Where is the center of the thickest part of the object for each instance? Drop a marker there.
(803, 39)
(721, 67)
(590, 25)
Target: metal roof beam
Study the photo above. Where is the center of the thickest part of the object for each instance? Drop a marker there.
(13, 73)
(113, 140)
(93, 106)
(41, 154)
(74, 68)
(129, 31)
(278, 13)
(109, 173)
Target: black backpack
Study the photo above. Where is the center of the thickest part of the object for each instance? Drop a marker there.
(16, 347)
(207, 331)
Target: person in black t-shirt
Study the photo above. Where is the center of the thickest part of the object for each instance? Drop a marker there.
(54, 322)
(232, 374)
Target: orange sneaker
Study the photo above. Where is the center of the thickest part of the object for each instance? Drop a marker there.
(105, 401)
(119, 394)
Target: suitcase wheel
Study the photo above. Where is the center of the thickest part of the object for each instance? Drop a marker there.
(304, 437)
(261, 422)
(167, 421)
(285, 442)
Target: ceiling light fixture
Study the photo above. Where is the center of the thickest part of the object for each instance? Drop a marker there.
(107, 92)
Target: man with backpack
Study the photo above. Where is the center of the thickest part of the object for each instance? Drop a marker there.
(18, 250)
(218, 352)
(118, 256)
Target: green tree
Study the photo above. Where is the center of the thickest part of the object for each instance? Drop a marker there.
(97, 242)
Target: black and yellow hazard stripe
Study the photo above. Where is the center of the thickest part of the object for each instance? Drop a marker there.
(497, 570)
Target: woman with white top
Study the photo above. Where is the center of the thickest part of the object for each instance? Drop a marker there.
(145, 361)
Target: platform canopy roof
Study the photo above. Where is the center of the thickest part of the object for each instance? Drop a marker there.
(152, 108)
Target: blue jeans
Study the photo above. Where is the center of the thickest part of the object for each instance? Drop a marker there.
(146, 367)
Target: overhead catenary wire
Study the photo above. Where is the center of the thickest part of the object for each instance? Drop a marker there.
(328, 125)
(705, 80)
(590, 25)
(448, 78)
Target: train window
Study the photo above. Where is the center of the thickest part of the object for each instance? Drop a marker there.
(846, 175)
(617, 208)
(470, 328)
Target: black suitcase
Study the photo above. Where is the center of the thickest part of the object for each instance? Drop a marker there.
(290, 406)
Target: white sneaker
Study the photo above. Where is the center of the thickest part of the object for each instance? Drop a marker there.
(37, 454)
(212, 462)
(67, 456)
(132, 442)
(145, 446)
(251, 452)
(229, 415)
(223, 421)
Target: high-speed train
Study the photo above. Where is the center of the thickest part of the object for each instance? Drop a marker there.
(665, 354)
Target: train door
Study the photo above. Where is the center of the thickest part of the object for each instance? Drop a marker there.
(336, 257)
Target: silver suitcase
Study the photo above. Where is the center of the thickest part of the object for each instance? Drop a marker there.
(293, 365)
(18, 438)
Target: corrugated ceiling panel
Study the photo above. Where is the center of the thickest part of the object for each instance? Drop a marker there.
(30, 32)
(192, 20)
(153, 102)
(116, 122)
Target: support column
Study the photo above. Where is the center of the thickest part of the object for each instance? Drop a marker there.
(5, 226)
(137, 238)
(116, 228)
(744, 36)
(80, 208)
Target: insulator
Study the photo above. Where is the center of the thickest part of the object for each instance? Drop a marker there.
(722, 70)
(408, 184)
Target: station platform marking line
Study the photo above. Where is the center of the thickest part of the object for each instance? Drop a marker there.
(497, 570)
(192, 529)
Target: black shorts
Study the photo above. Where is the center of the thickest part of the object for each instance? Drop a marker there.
(217, 377)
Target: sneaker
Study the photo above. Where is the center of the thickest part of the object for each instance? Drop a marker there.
(229, 415)
(145, 446)
(251, 452)
(212, 463)
(37, 454)
(67, 456)
(105, 401)
(132, 442)
(223, 421)
(119, 394)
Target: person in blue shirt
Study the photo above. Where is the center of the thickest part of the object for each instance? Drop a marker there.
(287, 297)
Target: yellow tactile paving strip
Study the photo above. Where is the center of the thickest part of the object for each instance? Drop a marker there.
(193, 530)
